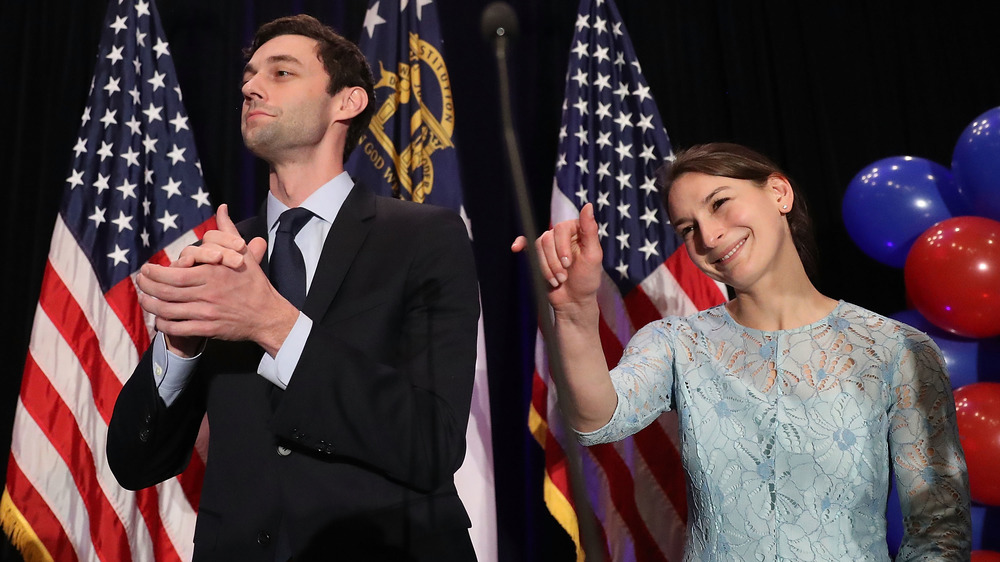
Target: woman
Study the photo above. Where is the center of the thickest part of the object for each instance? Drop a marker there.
(793, 407)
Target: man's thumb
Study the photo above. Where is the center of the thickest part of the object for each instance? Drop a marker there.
(257, 247)
(223, 222)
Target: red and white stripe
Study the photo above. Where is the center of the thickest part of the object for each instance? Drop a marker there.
(61, 495)
(636, 486)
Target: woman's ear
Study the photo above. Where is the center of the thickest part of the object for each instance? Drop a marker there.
(784, 195)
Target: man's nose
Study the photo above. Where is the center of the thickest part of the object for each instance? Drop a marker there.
(251, 89)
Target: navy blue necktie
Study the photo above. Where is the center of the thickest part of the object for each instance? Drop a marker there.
(288, 269)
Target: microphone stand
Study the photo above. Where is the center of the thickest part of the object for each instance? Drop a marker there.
(498, 12)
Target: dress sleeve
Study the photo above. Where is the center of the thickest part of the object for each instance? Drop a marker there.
(643, 381)
(927, 458)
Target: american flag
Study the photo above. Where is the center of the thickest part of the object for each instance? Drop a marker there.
(133, 194)
(610, 145)
(408, 152)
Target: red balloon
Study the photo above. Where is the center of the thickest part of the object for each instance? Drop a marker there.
(952, 276)
(985, 556)
(977, 406)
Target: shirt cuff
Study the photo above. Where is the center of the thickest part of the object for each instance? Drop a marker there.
(279, 369)
(171, 372)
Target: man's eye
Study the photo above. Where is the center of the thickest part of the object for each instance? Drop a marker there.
(685, 231)
(282, 73)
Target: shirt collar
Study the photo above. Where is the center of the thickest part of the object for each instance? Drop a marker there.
(325, 202)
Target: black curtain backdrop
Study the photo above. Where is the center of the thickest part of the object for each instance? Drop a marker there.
(825, 88)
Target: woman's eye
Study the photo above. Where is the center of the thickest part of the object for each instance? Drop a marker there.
(685, 231)
(718, 202)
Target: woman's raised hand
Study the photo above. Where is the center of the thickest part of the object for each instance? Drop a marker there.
(570, 256)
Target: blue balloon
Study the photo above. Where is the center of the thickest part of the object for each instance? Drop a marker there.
(976, 165)
(985, 526)
(968, 360)
(892, 202)
(981, 514)
(893, 520)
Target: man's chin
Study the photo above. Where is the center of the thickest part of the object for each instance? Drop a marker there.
(255, 144)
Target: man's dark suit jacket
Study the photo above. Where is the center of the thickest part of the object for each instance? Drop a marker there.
(374, 416)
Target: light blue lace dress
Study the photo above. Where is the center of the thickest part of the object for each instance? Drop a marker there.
(787, 437)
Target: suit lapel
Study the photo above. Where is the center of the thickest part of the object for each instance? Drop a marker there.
(347, 233)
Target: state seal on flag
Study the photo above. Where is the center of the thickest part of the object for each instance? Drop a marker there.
(418, 114)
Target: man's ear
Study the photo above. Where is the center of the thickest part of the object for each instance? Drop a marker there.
(353, 100)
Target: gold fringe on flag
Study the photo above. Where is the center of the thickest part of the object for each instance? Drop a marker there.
(20, 533)
(556, 499)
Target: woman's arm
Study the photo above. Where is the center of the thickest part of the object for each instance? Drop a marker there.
(570, 258)
(927, 457)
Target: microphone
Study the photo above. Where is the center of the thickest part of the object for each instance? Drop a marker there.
(499, 21)
(498, 25)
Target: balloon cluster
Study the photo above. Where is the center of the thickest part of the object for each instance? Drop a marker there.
(943, 228)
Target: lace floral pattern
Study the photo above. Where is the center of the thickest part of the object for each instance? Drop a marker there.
(788, 436)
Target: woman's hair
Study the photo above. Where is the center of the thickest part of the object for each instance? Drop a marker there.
(739, 162)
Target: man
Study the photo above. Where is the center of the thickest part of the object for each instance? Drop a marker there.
(336, 423)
